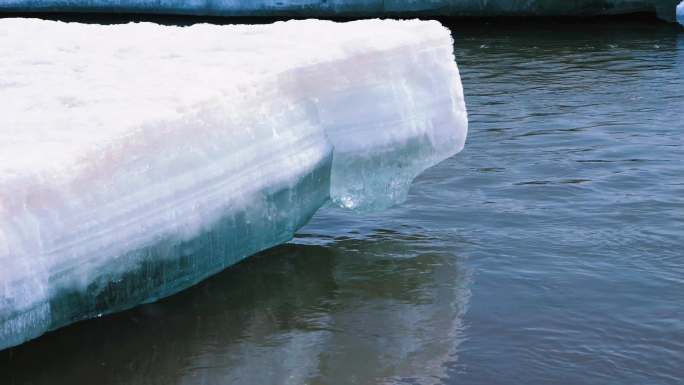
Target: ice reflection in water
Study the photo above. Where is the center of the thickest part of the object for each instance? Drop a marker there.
(382, 308)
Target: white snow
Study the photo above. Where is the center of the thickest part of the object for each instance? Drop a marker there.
(680, 13)
(129, 146)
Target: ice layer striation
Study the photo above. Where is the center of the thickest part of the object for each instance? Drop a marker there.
(138, 159)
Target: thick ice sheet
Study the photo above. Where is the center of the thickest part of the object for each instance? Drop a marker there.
(664, 8)
(136, 160)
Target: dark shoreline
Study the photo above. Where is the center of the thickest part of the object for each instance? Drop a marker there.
(184, 20)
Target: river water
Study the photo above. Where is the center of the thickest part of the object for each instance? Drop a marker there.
(550, 251)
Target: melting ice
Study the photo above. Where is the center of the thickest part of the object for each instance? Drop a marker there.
(138, 159)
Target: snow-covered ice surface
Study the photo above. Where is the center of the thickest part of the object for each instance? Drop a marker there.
(138, 159)
(664, 8)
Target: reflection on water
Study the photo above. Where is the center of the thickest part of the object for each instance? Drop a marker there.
(377, 309)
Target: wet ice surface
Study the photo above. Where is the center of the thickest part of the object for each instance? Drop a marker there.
(549, 251)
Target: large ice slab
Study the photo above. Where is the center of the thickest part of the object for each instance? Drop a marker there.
(138, 159)
(318, 8)
(680, 13)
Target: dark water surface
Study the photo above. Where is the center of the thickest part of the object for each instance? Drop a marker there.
(550, 251)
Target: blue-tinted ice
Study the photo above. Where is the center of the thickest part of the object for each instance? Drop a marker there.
(317, 8)
(136, 160)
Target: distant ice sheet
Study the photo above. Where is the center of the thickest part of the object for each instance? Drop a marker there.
(138, 159)
(354, 8)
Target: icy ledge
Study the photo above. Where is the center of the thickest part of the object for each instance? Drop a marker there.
(136, 160)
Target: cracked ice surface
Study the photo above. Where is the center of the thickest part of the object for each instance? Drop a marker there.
(138, 159)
